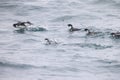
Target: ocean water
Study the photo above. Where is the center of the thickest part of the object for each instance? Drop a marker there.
(25, 56)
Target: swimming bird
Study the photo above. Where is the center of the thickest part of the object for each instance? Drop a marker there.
(50, 41)
(26, 26)
(72, 28)
(22, 25)
(28, 22)
(89, 32)
(116, 35)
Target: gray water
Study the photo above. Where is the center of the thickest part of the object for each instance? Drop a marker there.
(25, 56)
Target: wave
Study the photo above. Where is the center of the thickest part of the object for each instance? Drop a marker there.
(115, 3)
(62, 18)
(70, 17)
(113, 67)
(107, 61)
(28, 66)
(13, 65)
(30, 29)
(36, 29)
(2, 31)
(40, 8)
(89, 45)
(30, 41)
(8, 6)
(104, 1)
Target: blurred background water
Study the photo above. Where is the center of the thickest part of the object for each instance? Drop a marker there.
(77, 57)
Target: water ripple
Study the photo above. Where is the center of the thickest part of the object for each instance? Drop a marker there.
(13, 65)
(89, 45)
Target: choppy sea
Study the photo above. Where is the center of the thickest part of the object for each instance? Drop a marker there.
(25, 56)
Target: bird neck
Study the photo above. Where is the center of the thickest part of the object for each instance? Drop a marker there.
(71, 27)
(88, 31)
(48, 41)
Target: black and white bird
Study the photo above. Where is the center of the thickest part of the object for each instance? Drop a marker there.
(115, 35)
(72, 29)
(90, 32)
(22, 25)
(50, 42)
